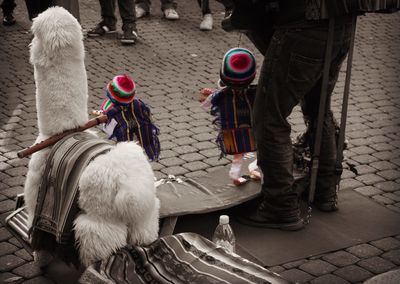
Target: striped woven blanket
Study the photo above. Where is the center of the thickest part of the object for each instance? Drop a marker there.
(182, 258)
(57, 202)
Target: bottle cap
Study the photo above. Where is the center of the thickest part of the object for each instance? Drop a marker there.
(224, 219)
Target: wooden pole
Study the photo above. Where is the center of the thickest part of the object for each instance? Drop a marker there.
(55, 138)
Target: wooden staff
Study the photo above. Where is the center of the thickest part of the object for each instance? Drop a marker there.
(55, 138)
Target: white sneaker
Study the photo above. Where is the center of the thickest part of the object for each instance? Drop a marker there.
(207, 23)
(171, 14)
(140, 12)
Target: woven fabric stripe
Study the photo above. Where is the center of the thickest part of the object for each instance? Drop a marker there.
(201, 261)
(75, 164)
(57, 200)
(249, 270)
(229, 142)
(244, 140)
(135, 120)
(184, 266)
(233, 111)
(147, 130)
(148, 271)
(244, 271)
(184, 258)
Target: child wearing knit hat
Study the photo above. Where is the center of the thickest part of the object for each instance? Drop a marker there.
(232, 105)
(128, 116)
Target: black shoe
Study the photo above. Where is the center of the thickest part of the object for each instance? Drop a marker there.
(264, 217)
(129, 36)
(8, 19)
(327, 203)
(101, 29)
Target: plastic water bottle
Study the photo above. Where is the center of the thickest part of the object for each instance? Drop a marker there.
(223, 235)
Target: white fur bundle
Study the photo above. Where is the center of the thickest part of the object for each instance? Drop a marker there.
(117, 192)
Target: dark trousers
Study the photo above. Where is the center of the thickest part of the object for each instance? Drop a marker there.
(165, 4)
(35, 7)
(8, 6)
(292, 72)
(205, 5)
(126, 10)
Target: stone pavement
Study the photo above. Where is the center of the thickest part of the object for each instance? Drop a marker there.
(170, 63)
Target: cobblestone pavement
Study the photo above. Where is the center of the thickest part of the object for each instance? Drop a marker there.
(170, 63)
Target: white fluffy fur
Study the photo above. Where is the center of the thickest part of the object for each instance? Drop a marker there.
(117, 192)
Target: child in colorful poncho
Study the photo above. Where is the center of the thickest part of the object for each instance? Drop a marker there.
(232, 105)
(129, 117)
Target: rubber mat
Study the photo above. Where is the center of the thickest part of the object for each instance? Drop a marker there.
(359, 220)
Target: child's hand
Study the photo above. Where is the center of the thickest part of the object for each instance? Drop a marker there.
(96, 112)
(204, 93)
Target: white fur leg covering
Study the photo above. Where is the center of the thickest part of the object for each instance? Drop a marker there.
(98, 239)
(34, 177)
(145, 231)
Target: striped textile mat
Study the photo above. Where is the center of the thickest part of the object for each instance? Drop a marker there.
(182, 258)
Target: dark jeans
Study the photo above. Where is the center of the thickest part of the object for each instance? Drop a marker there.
(205, 5)
(165, 4)
(126, 10)
(292, 72)
(8, 6)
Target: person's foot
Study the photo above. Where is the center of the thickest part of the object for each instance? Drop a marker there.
(241, 180)
(101, 29)
(140, 12)
(129, 36)
(265, 217)
(8, 19)
(171, 14)
(207, 23)
(327, 203)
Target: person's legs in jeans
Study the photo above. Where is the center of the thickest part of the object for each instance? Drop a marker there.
(127, 12)
(292, 66)
(228, 4)
(326, 195)
(143, 4)
(207, 22)
(168, 4)
(274, 102)
(8, 7)
(205, 6)
(168, 7)
(108, 12)
(108, 22)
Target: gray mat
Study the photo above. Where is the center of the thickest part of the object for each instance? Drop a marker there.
(359, 220)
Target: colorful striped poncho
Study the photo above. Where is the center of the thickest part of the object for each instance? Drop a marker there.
(233, 109)
(133, 120)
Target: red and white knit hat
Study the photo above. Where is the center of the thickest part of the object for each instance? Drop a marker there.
(121, 90)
